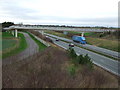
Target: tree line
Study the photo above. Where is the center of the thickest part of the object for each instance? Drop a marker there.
(7, 24)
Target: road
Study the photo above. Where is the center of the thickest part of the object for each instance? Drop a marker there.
(102, 61)
(30, 50)
(32, 27)
(91, 47)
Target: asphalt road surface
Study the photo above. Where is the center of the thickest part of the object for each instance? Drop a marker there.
(102, 61)
(32, 27)
(91, 47)
(30, 50)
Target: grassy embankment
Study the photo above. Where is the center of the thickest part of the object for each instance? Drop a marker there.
(104, 43)
(57, 34)
(108, 41)
(94, 39)
(41, 45)
(111, 44)
(53, 69)
(12, 45)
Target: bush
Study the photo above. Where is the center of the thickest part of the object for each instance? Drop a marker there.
(85, 60)
(80, 59)
(72, 53)
(72, 70)
(90, 64)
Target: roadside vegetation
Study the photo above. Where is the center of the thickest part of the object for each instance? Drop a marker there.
(58, 33)
(12, 45)
(41, 45)
(41, 36)
(54, 68)
(108, 40)
(78, 61)
(92, 50)
(104, 43)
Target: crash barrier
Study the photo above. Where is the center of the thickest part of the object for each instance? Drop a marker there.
(42, 41)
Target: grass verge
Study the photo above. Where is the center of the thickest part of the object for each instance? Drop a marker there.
(93, 39)
(22, 45)
(91, 50)
(57, 34)
(104, 43)
(41, 45)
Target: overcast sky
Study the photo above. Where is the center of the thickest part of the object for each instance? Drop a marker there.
(61, 12)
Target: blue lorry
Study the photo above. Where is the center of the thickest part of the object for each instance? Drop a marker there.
(79, 39)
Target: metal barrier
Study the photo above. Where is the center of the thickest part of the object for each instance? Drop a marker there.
(42, 41)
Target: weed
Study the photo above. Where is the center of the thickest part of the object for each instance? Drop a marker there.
(72, 53)
(80, 59)
(72, 70)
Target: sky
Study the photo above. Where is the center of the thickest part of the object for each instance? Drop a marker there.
(60, 12)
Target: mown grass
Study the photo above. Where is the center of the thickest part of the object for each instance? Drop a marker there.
(41, 45)
(21, 45)
(7, 35)
(8, 43)
(7, 40)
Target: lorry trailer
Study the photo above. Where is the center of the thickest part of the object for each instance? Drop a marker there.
(79, 39)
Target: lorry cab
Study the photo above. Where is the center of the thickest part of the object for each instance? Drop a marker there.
(79, 39)
(83, 40)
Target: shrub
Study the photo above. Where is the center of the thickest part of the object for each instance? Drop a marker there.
(72, 70)
(80, 59)
(72, 53)
(85, 60)
(90, 64)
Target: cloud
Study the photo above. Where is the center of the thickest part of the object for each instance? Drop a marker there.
(67, 12)
(16, 11)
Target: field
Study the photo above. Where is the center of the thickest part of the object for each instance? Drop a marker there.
(104, 40)
(50, 69)
(12, 45)
(86, 34)
(8, 43)
(57, 34)
(104, 43)
(7, 35)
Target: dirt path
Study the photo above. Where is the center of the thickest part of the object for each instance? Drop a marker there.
(31, 49)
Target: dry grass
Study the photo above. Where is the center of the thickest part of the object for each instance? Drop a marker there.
(48, 69)
(109, 44)
(41, 36)
(57, 33)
